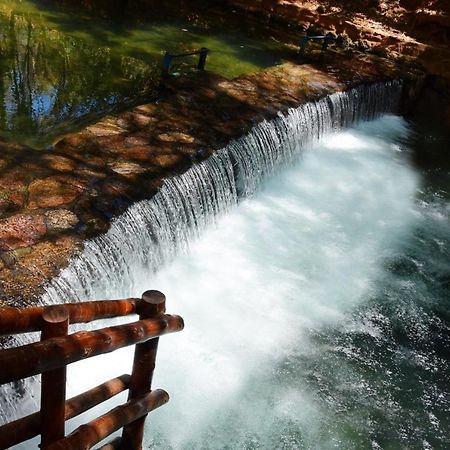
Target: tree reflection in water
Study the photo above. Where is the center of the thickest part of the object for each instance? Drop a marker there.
(51, 82)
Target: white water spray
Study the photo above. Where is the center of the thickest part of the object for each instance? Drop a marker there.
(298, 254)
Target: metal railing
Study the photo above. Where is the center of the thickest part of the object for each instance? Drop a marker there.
(56, 349)
(168, 57)
(326, 39)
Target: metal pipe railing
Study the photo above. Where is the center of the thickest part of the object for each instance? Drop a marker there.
(326, 39)
(168, 57)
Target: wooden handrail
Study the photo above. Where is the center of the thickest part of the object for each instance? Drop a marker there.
(29, 426)
(39, 357)
(86, 436)
(56, 349)
(24, 320)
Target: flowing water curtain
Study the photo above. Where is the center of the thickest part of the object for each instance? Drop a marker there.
(151, 232)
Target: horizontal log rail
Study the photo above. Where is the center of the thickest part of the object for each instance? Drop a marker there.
(24, 320)
(86, 436)
(29, 427)
(57, 349)
(50, 354)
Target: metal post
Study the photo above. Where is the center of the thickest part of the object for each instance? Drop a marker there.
(303, 43)
(153, 305)
(53, 389)
(202, 58)
(167, 60)
(327, 39)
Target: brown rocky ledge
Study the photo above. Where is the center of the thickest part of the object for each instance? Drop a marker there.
(51, 201)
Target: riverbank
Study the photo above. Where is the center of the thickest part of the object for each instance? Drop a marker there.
(52, 201)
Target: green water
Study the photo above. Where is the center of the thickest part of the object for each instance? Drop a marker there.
(62, 67)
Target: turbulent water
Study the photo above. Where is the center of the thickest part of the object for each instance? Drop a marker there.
(313, 316)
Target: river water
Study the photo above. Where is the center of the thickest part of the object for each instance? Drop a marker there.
(316, 311)
(316, 308)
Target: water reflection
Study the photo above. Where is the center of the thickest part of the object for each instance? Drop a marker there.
(50, 80)
(64, 65)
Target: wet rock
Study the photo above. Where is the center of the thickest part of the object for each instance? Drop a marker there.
(60, 220)
(21, 230)
(362, 45)
(140, 153)
(50, 193)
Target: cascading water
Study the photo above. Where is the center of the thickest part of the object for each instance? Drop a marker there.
(260, 286)
(151, 232)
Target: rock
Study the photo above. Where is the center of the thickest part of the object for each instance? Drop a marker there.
(60, 163)
(136, 140)
(51, 193)
(60, 220)
(379, 50)
(167, 161)
(362, 45)
(11, 201)
(176, 137)
(126, 168)
(21, 230)
(105, 128)
(343, 40)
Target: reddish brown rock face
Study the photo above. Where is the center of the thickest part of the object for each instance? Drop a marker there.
(21, 231)
(50, 193)
(60, 219)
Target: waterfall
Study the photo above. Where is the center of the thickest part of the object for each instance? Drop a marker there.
(152, 232)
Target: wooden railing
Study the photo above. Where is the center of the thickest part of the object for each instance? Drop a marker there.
(56, 349)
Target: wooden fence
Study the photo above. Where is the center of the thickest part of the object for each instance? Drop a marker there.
(56, 349)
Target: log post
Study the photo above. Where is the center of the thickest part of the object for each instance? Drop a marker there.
(152, 305)
(55, 323)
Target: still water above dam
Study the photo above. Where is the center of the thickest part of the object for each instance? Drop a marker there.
(63, 66)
